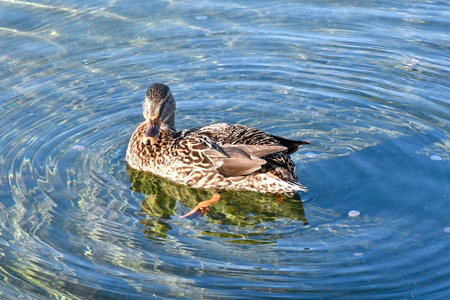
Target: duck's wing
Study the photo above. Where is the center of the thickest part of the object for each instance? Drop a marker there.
(234, 134)
(278, 163)
(204, 152)
(245, 159)
(240, 134)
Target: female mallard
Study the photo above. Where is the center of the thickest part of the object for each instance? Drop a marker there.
(217, 157)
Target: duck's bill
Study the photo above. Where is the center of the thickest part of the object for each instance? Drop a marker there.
(151, 132)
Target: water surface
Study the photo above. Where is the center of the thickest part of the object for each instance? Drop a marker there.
(367, 83)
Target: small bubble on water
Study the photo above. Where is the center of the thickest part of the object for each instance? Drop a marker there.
(201, 18)
(447, 229)
(78, 148)
(353, 213)
(435, 157)
(310, 154)
(358, 254)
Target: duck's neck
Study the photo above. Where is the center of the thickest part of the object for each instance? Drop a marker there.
(168, 124)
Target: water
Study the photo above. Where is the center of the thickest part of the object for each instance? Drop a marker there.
(366, 82)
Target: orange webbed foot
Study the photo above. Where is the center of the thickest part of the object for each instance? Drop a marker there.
(203, 206)
(280, 199)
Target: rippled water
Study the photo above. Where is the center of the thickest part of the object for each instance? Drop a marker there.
(366, 82)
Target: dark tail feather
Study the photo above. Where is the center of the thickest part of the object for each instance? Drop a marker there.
(291, 145)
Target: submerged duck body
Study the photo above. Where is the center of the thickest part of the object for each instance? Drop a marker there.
(216, 157)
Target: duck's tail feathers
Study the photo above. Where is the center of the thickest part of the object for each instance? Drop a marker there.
(292, 146)
(297, 186)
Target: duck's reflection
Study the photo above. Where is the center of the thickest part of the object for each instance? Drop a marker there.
(239, 208)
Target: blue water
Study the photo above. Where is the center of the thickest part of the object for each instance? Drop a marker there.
(367, 83)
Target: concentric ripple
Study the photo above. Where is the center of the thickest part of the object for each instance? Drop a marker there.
(366, 84)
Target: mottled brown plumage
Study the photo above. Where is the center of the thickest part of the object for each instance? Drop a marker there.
(217, 157)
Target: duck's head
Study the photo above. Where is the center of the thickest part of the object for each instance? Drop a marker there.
(159, 112)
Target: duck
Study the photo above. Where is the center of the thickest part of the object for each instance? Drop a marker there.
(215, 157)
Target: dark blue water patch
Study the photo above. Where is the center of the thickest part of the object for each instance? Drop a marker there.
(387, 172)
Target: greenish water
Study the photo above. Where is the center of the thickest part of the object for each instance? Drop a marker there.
(367, 83)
